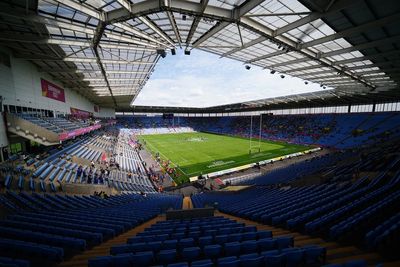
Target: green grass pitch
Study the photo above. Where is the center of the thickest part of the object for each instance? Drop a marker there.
(202, 153)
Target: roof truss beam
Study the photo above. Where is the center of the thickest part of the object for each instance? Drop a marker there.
(196, 22)
(337, 6)
(155, 28)
(246, 45)
(368, 57)
(82, 8)
(372, 44)
(353, 30)
(172, 21)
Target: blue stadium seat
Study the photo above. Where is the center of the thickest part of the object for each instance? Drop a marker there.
(104, 261)
(276, 260)
(232, 248)
(166, 256)
(202, 263)
(231, 261)
(249, 246)
(212, 251)
(293, 257)
(178, 264)
(205, 240)
(190, 253)
(267, 244)
(251, 260)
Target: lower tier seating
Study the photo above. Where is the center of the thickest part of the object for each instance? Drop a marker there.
(209, 241)
(46, 229)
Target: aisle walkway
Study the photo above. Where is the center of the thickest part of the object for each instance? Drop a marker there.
(187, 203)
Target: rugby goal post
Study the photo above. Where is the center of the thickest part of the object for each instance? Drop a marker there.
(255, 147)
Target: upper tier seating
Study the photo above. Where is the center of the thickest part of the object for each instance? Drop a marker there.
(57, 125)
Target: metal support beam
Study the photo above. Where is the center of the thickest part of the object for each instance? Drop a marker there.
(29, 38)
(337, 6)
(130, 29)
(157, 30)
(278, 14)
(82, 8)
(353, 30)
(68, 71)
(368, 57)
(126, 4)
(288, 63)
(371, 44)
(274, 54)
(246, 45)
(172, 21)
(218, 27)
(80, 60)
(196, 22)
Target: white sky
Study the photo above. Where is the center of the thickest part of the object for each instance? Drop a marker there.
(204, 79)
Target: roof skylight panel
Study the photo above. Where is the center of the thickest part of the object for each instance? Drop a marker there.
(110, 6)
(81, 17)
(66, 11)
(54, 31)
(327, 47)
(48, 7)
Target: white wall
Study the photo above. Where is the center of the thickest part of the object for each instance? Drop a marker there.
(106, 113)
(3, 133)
(20, 86)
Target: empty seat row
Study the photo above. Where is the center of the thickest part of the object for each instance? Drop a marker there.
(211, 256)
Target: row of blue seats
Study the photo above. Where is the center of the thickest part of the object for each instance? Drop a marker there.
(240, 235)
(391, 201)
(9, 262)
(228, 247)
(326, 220)
(211, 256)
(30, 250)
(58, 225)
(375, 236)
(90, 237)
(43, 238)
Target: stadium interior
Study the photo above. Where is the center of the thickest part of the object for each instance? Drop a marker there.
(89, 178)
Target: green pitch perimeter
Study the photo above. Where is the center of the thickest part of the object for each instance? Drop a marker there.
(197, 153)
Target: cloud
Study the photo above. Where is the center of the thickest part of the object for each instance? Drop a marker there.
(203, 79)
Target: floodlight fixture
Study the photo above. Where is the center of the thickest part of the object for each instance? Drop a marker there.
(162, 53)
(173, 51)
(247, 67)
(282, 76)
(272, 71)
(187, 52)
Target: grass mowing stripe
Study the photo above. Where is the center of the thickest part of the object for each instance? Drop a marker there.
(157, 151)
(197, 153)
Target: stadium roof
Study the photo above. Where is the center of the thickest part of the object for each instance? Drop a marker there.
(107, 49)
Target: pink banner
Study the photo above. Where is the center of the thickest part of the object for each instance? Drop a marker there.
(79, 113)
(77, 132)
(52, 91)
